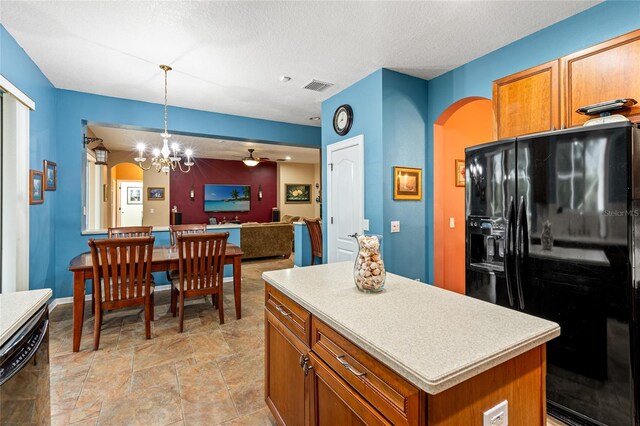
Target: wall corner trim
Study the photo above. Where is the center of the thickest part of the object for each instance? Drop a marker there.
(10, 88)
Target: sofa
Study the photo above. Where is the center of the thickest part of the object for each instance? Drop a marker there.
(266, 239)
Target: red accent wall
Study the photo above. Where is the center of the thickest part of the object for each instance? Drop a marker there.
(208, 170)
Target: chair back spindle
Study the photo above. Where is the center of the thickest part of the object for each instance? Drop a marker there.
(130, 231)
(201, 264)
(315, 235)
(175, 230)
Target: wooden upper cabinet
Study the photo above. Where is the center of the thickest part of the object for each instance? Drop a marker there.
(527, 102)
(601, 73)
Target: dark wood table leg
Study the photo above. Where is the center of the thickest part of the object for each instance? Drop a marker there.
(237, 282)
(78, 308)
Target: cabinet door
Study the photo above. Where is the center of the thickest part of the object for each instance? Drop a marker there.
(334, 402)
(527, 102)
(284, 378)
(601, 73)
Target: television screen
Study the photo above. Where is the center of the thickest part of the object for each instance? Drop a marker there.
(227, 198)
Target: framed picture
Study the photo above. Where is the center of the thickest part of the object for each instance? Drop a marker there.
(134, 195)
(407, 183)
(50, 176)
(36, 187)
(155, 193)
(459, 172)
(297, 193)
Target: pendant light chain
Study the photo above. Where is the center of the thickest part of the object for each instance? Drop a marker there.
(165, 101)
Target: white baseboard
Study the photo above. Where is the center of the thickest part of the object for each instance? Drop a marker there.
(66, 300)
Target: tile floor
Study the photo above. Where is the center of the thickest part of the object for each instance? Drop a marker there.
(210, 374)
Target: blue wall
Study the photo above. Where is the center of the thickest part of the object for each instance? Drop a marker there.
(19, 69)
(390, 110)
(597, 24)
(56, 128)
(404, 130)
(365, 97)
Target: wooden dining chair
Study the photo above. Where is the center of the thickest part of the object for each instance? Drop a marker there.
(201, 270)
(125, 232)
(315, 235)
(174, 231)
(130, 231)
(122, 278)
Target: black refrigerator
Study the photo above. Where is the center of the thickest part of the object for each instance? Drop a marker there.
(553, 230)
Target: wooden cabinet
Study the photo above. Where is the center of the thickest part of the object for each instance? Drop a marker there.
(314, 376)
(547, 96)
(284, 381)
(527, 102)
(601, 73)
(334, 402)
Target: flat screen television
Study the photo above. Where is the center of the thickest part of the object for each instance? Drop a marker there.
(227, 198)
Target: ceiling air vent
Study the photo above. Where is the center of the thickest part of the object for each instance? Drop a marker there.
(317, 85)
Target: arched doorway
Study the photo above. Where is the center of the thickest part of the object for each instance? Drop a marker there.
(127, 202)
(465, 123)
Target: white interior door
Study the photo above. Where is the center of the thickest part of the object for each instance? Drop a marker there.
(345, 200)
(130, 198)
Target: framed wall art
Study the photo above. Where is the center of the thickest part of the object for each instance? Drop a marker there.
(297, 193)
(155, 193)
(134, 195)
(407, 183)
(459, 173)
(36, 187)
(50, 175)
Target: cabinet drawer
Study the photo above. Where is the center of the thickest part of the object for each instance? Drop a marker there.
(293, 316)
(393, 396)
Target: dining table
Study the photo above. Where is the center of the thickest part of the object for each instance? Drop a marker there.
(165, 258)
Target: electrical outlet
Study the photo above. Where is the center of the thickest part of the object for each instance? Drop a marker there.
(365, 225)
(497, 416)
(452, 222)
(395, 226)
(152, 210)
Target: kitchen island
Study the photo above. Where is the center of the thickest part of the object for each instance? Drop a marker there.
(412, 354)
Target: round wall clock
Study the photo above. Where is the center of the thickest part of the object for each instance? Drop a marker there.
(342, 119)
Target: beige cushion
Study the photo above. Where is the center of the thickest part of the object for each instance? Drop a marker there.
(286, 218)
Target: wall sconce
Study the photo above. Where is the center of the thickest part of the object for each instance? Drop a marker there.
(192, 193)
(100, 151)
(259, 192)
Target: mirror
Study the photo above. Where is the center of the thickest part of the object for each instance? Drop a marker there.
(121, 193)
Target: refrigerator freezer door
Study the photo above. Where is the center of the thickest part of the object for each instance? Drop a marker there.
(577, 272)
(490, 186)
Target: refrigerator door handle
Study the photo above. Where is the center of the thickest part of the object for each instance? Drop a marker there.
(507, 249)
(521, 231)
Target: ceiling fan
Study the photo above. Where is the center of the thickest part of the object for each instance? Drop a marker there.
(252, 161)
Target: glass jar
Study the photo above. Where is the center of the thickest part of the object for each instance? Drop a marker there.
(368, 271)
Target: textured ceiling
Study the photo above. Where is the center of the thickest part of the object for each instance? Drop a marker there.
(119, 139)
(228, 56)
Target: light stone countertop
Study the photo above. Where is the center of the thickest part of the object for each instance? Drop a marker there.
(16, 308)
(432, 337)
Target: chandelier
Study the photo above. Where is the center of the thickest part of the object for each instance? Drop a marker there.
(166, 159)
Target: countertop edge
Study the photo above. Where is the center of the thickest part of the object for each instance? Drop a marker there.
(432, 387)
(36, 304)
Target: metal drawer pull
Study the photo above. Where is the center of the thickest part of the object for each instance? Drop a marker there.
(279, 309)
(303, 360)
(346, 365)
